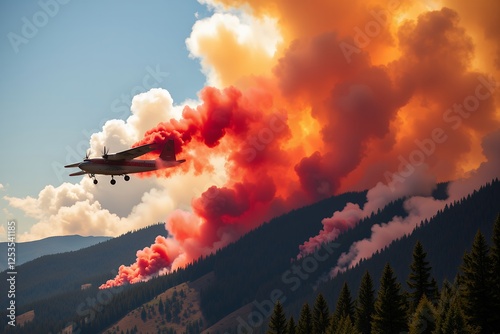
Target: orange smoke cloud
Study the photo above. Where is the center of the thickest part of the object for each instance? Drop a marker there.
(357, 93)
(149, 261)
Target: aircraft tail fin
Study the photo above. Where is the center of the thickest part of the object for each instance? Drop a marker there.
(168, 152)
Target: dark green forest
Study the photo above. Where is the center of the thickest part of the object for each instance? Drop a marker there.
(251, 270)
(469, 304)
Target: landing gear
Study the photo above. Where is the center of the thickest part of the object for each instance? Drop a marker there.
(113, 181)
(92, 176)
(126, 177)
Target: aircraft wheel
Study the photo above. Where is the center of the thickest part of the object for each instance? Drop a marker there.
(113, 181)
(126, 177)
(95, 181)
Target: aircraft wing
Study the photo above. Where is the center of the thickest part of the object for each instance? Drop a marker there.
(82, 172)
(133, 152)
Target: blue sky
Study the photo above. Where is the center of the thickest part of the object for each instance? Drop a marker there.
(76, 71)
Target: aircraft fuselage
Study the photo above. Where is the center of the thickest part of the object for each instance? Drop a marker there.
(110, 167)
(124, 162)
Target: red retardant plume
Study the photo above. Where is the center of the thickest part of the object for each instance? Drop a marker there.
(338, 112)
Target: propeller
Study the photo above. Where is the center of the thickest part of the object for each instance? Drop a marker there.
(76, 164)
(105, 153)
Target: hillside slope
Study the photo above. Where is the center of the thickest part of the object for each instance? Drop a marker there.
(175, 310)
(445, 237)
(59, 273)
(53, 313)
(260, 265)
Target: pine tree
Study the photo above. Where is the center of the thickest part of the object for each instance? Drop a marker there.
(435, 290)
(291, 327)
(345, 306)
(332, 326)
(454, 321)
(320, 316)
(365, 305)
(161, 309)
(143, 314)
(424, 319)
(448, 293)
(495, 267)
(277, 324)
(305, 320)
(344, 326)
(476, 286)
(390, 306)
(419, 280)
(495, 252)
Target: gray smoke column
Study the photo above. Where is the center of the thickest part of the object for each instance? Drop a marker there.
(419, 183)
(420, 208)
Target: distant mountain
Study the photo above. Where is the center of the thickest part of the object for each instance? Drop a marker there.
(27, 251)
(54, 274)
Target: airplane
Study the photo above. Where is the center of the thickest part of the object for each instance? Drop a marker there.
(123, 163)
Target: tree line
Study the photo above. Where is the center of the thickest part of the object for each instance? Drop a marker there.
(470, 304)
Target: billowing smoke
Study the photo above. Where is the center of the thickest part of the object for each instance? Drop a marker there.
(420, 208)
(150, 261)
(246, 131)
(346, 94)
(87, 209)
(419, 183)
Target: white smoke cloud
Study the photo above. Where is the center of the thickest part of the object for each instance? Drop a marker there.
(87, 209)
(256, 39)
(148, 109)
(419, 208)
(421, 182)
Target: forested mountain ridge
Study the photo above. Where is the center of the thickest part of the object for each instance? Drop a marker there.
(446, 236)
(470, 304)
(64, 306)
(248, 270)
